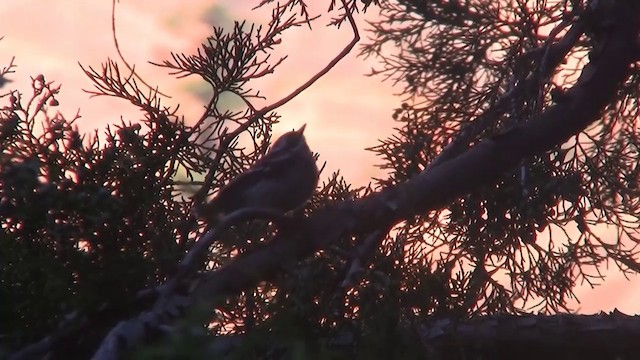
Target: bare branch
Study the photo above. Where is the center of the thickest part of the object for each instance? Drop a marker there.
(117, 45)
(201, 194)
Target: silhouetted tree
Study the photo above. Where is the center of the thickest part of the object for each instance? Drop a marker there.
(516, 146)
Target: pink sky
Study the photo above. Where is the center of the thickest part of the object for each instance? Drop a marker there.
(345, 111)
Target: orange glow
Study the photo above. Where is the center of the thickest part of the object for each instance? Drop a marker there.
(345, 111)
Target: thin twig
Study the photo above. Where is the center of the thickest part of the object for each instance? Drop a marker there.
(115, 42)
(552, 56)
(201, 194)
(361, 255)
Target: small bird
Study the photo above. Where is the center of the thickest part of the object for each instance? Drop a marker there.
(283, 179)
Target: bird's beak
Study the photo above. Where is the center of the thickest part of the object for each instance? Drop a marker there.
(301, 130)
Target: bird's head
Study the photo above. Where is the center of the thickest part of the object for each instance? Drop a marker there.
(289, 141)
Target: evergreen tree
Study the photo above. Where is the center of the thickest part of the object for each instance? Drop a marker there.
(516, 147)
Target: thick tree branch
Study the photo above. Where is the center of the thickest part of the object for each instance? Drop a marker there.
(433, 189)
(563, 336)
(549, 57)
(481, 164)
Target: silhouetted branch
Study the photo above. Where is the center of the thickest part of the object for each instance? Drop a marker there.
(481, 164)
(228, 138)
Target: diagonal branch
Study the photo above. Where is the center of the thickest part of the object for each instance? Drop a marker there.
(481, 164)
(432, 189)
(553, 55)
(228, 139)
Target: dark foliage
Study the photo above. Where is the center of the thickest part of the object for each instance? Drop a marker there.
(478, 68)
(88, 222)
(85, 221)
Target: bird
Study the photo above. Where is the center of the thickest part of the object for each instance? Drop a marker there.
(283, 180)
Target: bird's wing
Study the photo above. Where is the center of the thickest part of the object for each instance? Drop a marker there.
(262, 169)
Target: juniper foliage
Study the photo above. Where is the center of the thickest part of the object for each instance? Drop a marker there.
(88, 221)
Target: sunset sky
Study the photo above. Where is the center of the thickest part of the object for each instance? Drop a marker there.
(345, 111)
